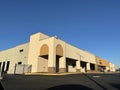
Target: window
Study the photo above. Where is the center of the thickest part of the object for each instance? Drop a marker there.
(21, 50)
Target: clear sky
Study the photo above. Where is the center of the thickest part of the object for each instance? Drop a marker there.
(92, 25)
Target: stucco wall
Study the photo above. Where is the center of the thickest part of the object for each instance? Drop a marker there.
(14, 56)
(31, 54)
(75, 53)
(34, 50)
(101, 62)
(42, 65)
(112, 67)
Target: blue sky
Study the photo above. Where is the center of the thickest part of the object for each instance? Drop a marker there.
(92, 25)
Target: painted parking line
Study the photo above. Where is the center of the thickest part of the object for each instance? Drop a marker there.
(96, 76)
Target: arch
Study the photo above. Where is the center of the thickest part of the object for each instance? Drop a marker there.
(44, 50)
(59, 50)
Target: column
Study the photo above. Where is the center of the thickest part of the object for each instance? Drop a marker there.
(52, 60)
(62, 63)
(96, 68)
(88, 67)
(78, 66)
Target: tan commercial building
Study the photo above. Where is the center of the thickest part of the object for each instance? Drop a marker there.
(102, 64)
(51, 54)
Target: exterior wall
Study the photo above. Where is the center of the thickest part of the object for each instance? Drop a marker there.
(82, 69)
(76, 54)
(34, 50)
(42, 65)
(79, 54)
(102, 65)
(62, 53)
(101, 62)
(68, 51)
(55, 56)
(34, 53)
(14, 56)
(112, 67)
(71, 69)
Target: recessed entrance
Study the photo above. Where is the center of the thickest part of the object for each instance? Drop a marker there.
(70, 65)
(83, 66)
(59, 55)
(92, 66)
(43, 59)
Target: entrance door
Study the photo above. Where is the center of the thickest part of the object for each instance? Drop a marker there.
(57, 65)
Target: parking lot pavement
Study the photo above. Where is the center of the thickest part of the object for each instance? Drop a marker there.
(1, 86)
(75, 81)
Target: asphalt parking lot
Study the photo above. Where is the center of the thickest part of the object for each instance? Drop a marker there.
(62, 82)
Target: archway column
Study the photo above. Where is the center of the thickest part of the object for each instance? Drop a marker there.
(52, 60)
(96, 67)
(78, 69)
(88, 67)
(62, 67)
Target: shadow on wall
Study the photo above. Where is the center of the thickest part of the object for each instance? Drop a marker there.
(70, 87)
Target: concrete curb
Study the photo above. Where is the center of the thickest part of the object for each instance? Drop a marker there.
(52, 74)
(60, 74)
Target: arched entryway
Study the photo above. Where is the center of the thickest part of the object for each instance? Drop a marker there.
(44, 51)
(59, 55)
(43, 59)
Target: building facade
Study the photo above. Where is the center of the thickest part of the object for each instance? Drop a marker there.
(51, 54)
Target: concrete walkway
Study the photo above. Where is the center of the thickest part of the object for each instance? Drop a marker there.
(57, 74)
(67, 73)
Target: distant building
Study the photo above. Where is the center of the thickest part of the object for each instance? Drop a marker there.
(50, 54)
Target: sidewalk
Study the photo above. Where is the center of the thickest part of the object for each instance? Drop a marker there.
(52, 74)
(67, 73)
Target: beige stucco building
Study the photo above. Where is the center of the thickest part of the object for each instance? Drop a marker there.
(51, 54)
